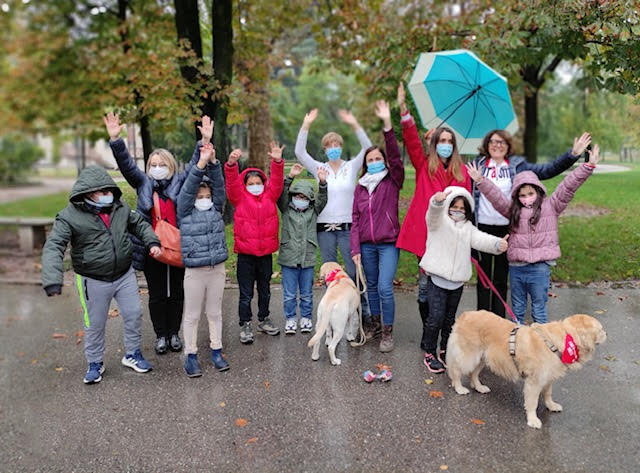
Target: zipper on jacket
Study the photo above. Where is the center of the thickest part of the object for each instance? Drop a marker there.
(113, 245)
(86, 291)
(371, 220)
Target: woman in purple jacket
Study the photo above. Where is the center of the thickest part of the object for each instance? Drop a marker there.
(375, 228)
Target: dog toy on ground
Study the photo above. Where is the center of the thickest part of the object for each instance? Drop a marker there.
(384, 376)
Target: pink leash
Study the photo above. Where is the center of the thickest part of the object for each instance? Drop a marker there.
(486, 283)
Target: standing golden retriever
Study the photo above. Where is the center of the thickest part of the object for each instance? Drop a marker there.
(337, 310)
(481, 338)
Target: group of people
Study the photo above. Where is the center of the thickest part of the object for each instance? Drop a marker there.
(494, 205)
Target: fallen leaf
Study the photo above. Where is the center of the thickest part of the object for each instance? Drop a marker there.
(604, 368)
(599, 293)
(113, 313)
(621, 298)
(599, 312)
(241, 422)
(78, 341)
(222, 404)
(610, 358)
(477, 421)
(143, 291)
(428, 381)
(552, 294)
(267, 384)
(382, 366)
(637, 362)
(20, 354)
(34, 361)
(59, 335)
(80, 333)
(252, 440)
(59, 368)
(444, 467)
(435, 394)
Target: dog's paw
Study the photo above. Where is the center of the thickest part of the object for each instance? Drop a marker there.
(350, 338)
(461, 390)
(315, 357)
(534, 422)
(481, 388)
(336, 362)
(554, 406)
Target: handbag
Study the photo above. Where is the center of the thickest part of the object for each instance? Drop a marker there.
(169, 237)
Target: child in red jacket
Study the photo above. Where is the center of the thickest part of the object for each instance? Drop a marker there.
(255, 232)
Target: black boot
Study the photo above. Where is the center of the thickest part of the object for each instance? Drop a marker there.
(424, 315)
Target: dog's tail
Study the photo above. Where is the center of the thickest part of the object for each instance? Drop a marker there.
(322, 324)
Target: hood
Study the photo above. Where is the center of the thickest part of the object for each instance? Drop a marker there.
(93, 178)
(302, 187)
(524, 178)
(248, 170)
(457, 191)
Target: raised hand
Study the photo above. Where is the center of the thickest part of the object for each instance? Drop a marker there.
(474, 172)
(580, 144)
(155, 251)
(276, 151)
(112, 122)
(296, 169)
(207, 153)
(428, 135)
(440, 196)
(206, 130)
(234, 156)
(309, 118)
(348, 118)
(322, 175)
(503, 245)
(383, 113)
(594, 155)
(402, 98)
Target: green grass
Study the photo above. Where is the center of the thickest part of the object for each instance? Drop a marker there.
(594, 248)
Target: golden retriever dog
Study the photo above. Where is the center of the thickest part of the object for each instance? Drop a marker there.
(336, 311)
(481, 338)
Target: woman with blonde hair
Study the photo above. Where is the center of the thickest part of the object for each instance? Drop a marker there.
(165, 282)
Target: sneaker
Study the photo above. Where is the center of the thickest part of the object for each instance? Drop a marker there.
(175, 343)
(246, 335)
(191, 366)
(218, 360)
(94, 373)
(305, 325)
(442, 355)
(162, 345)
(432, 363)
(291, 326)
(267, 327)
(136, 362)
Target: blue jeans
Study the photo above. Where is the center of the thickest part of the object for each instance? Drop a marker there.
(329, 242)
(294, 278)
(380, 262)
(530, 280)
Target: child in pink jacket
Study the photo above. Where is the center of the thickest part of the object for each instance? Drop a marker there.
(533, 226)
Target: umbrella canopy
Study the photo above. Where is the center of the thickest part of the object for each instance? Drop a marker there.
(456, 89)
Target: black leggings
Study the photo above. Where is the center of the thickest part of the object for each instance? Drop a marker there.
(166, 296)
(497, 269)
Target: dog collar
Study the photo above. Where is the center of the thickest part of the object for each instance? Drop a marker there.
(569, 355)
(333, 276)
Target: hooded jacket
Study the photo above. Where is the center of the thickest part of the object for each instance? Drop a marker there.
(533, 244)
(449, 243)
(375, 215)
(202, 238)
(298, 237)
(255, 220)
(145, 186)
(413, 233)
(97, 251)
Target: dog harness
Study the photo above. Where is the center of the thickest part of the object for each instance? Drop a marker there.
(548, 342)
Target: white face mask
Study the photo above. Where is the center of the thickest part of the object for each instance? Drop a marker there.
(256, 189)
(159, 172)
(203, 204)
(457, 215)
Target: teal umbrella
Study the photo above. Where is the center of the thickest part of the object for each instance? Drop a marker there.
(456, 89)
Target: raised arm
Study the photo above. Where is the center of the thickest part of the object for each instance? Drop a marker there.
(232, 180)
(273, 188)
(321, 197)
(365, 142)
(436, 210)
(53, 255)
(214, 171)
(305, 158)
(134, 176)
(410, 133)
(561, 163)
(568, 187)
(188, 192)
(396, 168)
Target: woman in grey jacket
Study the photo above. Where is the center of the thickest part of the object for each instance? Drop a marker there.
(204, 251)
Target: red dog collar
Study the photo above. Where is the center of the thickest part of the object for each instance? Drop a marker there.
(570, 353)
(333, 276)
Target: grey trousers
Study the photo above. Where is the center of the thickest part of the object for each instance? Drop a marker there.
(95, 297)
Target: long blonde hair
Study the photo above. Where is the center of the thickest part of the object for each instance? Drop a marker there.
(455, 161)
(166, 157)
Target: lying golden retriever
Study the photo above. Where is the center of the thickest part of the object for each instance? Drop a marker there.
(481, 338)
(337, 310)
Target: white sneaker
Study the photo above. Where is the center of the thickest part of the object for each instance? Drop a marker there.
(305, 325)
(290, 327)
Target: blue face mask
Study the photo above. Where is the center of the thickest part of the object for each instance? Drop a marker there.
(444, 150)
(256, 189)
(300, 204)
(103, 201)
(375, 167)
(333, 153)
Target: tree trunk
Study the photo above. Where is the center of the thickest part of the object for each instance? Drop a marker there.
(531, 126)
(260, 131)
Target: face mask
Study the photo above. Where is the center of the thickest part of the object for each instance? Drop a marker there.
(103, 201)
(300, 204)
(444, 150)
(159, 172)
(333, 153)
(528, 201)
(457, 215)
(375, 167)
(203, 204)
(256, 189)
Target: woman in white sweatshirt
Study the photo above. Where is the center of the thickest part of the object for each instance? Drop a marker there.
(447, 263)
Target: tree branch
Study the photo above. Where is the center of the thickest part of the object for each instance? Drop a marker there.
(550, 68)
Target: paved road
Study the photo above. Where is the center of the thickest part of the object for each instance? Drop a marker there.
(302, 415)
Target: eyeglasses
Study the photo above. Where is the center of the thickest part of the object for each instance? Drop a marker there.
(497, 142)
